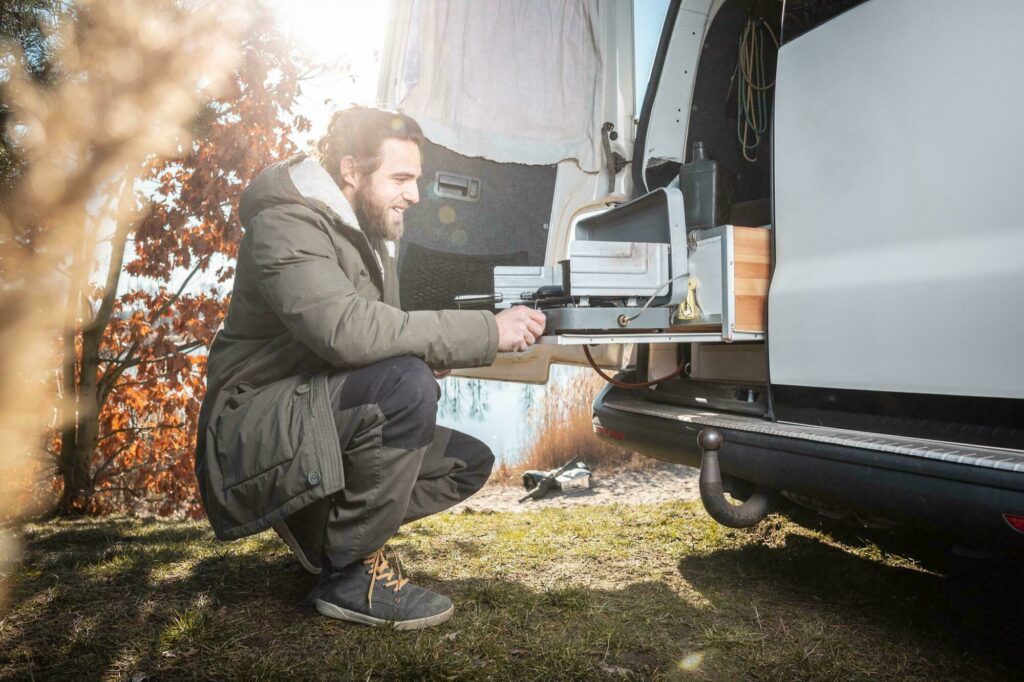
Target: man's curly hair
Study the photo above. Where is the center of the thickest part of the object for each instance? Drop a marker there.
(358, 132)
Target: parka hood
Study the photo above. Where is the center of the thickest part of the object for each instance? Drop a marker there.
(298, 180)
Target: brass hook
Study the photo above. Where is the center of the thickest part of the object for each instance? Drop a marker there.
(688, 309)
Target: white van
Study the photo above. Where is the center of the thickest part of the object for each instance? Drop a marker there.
(845, 331)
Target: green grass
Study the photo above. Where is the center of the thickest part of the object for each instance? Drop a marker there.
(611, 592)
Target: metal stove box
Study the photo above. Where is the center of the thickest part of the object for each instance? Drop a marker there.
(515, 284)
(617, 269)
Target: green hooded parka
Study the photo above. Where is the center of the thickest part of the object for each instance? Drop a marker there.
(312, 295)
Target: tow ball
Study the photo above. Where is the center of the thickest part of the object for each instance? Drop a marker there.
(712, 495)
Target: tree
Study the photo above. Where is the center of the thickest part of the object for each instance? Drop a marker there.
(28, 24)
(134, 366)
(128, 77)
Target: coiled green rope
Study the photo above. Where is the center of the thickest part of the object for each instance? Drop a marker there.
(752, 102)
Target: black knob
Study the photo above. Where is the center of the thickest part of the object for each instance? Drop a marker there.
(709, 439)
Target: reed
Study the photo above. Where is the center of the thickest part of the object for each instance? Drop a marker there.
(562, 422)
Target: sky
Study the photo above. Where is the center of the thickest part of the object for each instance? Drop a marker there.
(648, 20)
(345, 34)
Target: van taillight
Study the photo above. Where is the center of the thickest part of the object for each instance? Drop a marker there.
(619, 435)
(1016, 522)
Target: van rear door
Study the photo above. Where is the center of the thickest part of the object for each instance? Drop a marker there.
(504, 188)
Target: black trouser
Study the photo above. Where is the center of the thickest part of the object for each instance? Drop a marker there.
(399, 466)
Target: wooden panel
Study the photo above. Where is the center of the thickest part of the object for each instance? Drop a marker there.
(752, 251)
(752, 267)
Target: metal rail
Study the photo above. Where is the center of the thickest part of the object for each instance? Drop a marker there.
(669, 337)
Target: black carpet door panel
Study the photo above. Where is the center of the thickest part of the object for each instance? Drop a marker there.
(451, 245)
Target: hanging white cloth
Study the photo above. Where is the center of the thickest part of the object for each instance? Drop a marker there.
(515, 81)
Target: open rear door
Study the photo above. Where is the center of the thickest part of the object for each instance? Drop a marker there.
(514, 100)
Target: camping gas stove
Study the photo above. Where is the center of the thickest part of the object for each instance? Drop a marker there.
(623, 271)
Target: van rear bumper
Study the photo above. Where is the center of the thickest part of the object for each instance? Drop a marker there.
(957, 490)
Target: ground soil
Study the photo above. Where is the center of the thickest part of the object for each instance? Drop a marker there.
(650, 485)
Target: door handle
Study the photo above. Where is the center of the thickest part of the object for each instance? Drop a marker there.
(455, 186)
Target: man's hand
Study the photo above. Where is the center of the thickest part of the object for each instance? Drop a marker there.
(519, 328)
(441, 373)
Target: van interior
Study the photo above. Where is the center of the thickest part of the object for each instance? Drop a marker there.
(503, 213)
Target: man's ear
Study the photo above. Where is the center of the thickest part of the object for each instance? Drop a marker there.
(348, 171)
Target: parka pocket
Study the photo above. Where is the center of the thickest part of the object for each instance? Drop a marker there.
(261, 429)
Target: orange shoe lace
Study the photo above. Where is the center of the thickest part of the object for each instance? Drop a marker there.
(380, 569)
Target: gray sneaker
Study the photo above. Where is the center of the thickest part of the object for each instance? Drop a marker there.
(370, 593)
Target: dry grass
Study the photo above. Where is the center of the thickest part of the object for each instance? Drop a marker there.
(562, 422)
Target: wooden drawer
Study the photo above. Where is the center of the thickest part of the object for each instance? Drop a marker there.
(731, 266)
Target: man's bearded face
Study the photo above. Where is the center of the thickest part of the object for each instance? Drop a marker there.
(376, 216)
(383, 196)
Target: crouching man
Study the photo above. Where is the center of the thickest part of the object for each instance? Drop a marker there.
(319, 416)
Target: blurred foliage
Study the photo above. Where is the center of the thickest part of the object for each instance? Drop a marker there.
(28, 25)
(91, 98)
(136, 370)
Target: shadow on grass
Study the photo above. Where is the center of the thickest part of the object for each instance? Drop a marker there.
(94, 598)
(125, 599)
(979, 601)
(177, 604)
(99, 532)
(976, 612)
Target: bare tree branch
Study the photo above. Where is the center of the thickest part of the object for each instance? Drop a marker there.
(124, 224)
(44, 455)
(121, 488)
(183, 349)
(110, 460)
(201, 265)
(114, 371)
(135, 429)
(143, 382)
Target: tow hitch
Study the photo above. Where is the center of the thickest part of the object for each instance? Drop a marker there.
(712, 495)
